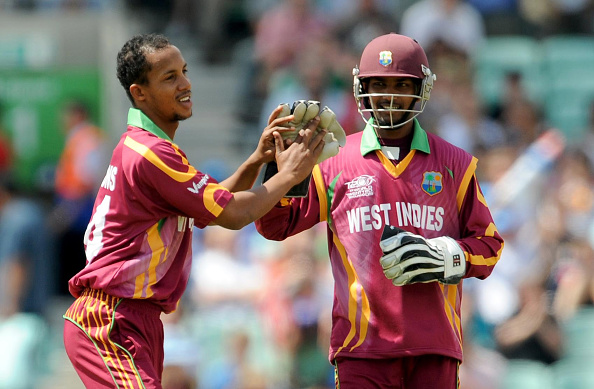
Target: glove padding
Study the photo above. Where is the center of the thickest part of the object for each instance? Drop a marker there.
(305, 111)
(410, 258)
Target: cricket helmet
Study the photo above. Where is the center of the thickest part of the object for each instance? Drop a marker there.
(392, 55)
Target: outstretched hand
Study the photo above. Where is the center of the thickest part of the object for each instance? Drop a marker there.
(266, 150)
(299, 156)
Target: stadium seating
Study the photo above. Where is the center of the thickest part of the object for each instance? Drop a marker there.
(575, 369)
(573, 374)
(566, 53)
(579, 336)
(501, 55)
(567, 62)
(526, 374)
(556, 72)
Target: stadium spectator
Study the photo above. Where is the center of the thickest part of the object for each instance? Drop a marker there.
(283, 30)
(279, 36)
(6, 151)
(466, 125)
(368, 19)
(483, 367)
(532, 333)
(26, 256)
(26, 286)
(313, 76)
(182, 351)
(455, 22)
(79, 173)
(296, 307)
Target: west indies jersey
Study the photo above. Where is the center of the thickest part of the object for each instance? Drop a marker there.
(138, 242)
(432, 191)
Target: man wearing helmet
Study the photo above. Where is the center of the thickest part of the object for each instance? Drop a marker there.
(406, 223)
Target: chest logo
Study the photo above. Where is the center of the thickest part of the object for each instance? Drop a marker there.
(432, 183)
(360, 186)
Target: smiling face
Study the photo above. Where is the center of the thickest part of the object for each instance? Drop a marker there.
(391, 99)
(165, 97)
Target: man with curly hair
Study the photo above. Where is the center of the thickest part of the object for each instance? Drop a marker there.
(138, 241)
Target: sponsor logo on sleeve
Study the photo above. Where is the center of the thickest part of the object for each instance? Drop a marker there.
(195, 188)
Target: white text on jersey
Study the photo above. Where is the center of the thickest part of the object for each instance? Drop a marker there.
(182, 225)
(109, 179)
(374, 217)
(196, 187)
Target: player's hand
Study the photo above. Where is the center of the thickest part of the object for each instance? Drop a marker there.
(301, 156)
(266, 150)
(302, 112)
(409, 258)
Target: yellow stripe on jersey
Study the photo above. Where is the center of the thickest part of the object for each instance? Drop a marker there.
(450, 300)
(155, 160)
(145, 281)
(321, 190)
(465, 182)
(479, 195)
(354, 287)
(87, 313)
(365, 315)
(209, 198)
(395, 170)
(209, 190)
(489, 261)
(178, 152)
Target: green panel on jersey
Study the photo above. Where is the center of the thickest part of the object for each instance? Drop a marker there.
(31, 104)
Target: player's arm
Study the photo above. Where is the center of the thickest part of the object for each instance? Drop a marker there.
(480, 239)
(291, 216)
(247, 173)
(295, 163)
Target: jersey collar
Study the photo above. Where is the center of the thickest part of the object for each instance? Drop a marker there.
(137, 118)
(369, 141)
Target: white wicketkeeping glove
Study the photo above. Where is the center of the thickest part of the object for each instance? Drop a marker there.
(304, 111)
(410, 258)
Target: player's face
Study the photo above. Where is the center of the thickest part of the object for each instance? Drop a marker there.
(167, 94)
(391, 98)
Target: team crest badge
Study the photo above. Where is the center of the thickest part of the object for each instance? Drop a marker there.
(385, 58)
(432, 183)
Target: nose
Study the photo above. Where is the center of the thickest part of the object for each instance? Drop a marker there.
(185, 83)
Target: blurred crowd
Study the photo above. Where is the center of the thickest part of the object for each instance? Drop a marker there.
(257, 313)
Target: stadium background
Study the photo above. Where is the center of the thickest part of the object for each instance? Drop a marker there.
(256, 313)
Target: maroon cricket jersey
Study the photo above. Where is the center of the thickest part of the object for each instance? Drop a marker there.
(432, 191)
(138, 242)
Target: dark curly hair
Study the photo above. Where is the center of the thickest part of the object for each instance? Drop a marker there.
(132, 66)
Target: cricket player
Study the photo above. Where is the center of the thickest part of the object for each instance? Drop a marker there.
(406, 223)
(138, 241)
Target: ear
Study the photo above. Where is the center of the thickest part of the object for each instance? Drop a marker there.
(137, 92)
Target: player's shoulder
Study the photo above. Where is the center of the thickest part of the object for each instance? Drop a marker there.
(351, 149)
(353, 141)
(139, 139)
(441, 145)
(448, 152)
